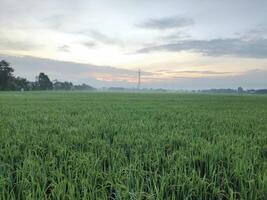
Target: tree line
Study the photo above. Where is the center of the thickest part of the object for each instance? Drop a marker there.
(9, 82)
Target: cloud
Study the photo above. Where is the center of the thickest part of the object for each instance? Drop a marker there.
(98, 36)
(103, 76)
(256, 48)
(249, 79)
(177, 36)
(259, 31)
(55, 22)
(64, 48)
(167, 23)
(98, 76)
(89, 44)
(12, 41)
(191, 72)
(25, 45)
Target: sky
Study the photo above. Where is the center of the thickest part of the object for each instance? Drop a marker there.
(177, 44)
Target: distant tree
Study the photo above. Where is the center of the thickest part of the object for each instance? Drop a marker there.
(240, 90)
(116, 88)
(83, 87)
(57, 85)
(6, 75)
(34, 85)
(9, 82)
(44, 82)
(261, 91)
(21, 83)
(221, 90)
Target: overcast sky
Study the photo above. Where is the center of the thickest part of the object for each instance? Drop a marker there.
(188, 44)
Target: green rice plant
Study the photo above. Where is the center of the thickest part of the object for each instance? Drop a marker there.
(92, 145)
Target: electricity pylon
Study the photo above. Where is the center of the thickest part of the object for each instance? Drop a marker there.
(139, 79)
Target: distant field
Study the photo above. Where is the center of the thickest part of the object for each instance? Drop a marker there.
(74, 145)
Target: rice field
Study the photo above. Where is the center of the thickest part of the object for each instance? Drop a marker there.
(92, 145)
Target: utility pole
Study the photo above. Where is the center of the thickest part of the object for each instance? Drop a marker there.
(139, 79)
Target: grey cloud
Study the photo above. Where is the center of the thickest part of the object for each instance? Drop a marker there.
(29, 67)
(207, 72)
(89, 44)
(250, 79)
(64, 48)
(259, 31)
(179, 35)
(98, 36)
(7, 44)
(55, 22)
(167, 23)
(217, 47)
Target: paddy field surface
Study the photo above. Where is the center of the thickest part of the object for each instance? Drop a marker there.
(96, 145)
